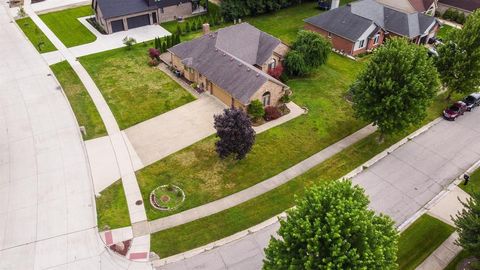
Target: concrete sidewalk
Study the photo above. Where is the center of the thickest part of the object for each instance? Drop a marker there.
(127, 173)
(47, 209)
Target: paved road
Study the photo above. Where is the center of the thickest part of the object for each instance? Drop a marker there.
(399, 185)
(47, 210)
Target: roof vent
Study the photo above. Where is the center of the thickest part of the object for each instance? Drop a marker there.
(258, 75)
(240, 64)
(224, 54)
(216, 49)
(248, 69)
(231, 59)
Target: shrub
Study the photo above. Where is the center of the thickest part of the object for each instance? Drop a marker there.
(461, 18)
(154, 54)
(276, 72)
(153, 62)
(272, 113)
(256, 110)
(129, 42)
(295, 64)
(187, 27)
(285, 98)
(314, 48)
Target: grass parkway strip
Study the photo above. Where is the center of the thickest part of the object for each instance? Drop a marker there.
(35, 35)
(85, 111)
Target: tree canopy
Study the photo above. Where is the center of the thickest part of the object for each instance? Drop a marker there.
(468, 225)
(332, 228)
(309, 51)
(396, 87)
(236, 134)
(459, 58)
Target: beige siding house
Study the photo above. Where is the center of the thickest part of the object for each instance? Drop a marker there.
(121, 15)
(232, 64)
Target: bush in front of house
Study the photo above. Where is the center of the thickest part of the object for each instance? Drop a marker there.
(236, 134)
(276, 72)
(236, 9)
(309, 51)
(256, 110)
(295, 64)
(272, 113)
(154, 54)
(129, 42)
(454, 15)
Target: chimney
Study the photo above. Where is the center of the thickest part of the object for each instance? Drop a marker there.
(206, 28)
(334, 4)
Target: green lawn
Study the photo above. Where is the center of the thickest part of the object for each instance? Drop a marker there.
(81, 102)
(419, 240)
(114, 199)
(474, 183)
(212, 228)
(442, 33)
(35, 35)
(134, 91)
(67, 27)
(204, 177)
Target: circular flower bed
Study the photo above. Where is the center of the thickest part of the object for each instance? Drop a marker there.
(167, 197)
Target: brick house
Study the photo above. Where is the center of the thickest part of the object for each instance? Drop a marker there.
(364, 25)
(232, 64)
(465, 6)
(121, 15)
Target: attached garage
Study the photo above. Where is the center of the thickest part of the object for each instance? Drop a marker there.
(138, 21)
(117, 26)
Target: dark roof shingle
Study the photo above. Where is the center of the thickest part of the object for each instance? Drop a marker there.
(118, 8)
(226, 58)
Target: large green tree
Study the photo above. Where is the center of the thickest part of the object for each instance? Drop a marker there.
(332, 228)
(459, 58)
(468, 225)
(396, 87)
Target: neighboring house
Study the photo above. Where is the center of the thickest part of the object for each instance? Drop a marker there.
(465, 6)
(411, 6)
(362, 26)
(121, 15)
(232, 64)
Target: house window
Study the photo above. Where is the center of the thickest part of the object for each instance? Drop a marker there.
(272, 64)
(266, 99)
(361, 43)
(376, 38)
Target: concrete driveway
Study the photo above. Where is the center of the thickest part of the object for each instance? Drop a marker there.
(399, 185)
(47, 209)
(172, 131)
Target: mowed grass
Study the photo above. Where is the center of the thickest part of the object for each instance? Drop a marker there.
(35, 35)
(85, 111)
(113, 199)
(474, 183)
(444, 30)
(419, 240)
(67, 27)
(134, 91)
(204, 177)
(243, 216)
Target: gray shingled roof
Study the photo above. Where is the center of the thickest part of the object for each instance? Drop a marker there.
(226, 58)
(341, 22)
(118, 8)
(345, 21)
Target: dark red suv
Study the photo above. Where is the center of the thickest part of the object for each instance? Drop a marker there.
(454, 111)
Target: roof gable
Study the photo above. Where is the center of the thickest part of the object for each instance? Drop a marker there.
(213, 56)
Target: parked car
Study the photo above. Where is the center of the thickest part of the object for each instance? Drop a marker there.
(458, 108)
(472, 101)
